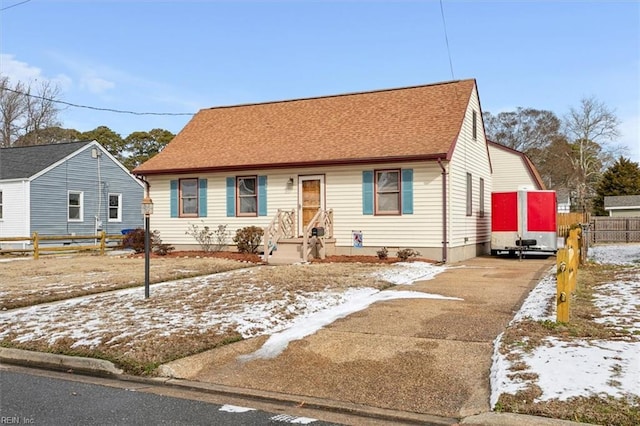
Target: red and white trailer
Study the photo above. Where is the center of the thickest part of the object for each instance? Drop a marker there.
(523, 221)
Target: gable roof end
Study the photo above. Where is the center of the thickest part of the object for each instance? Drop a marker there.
(26, 161)
(531, 168)
(413, 123)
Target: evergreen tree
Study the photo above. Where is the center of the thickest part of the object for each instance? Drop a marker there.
(622, 178)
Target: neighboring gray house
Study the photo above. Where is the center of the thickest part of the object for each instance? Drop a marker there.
(623, 205)
(74, 188)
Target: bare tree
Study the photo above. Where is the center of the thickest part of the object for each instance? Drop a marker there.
(41, 111)
(12, 109)
(25, 111)
(591, 127)
(525, 129)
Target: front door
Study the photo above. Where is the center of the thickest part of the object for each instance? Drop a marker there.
(311, 196)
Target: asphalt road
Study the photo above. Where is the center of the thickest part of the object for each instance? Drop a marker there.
(47, 398)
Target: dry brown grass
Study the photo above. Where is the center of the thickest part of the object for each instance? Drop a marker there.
(139, 334)
(528, 335)
(25, 282)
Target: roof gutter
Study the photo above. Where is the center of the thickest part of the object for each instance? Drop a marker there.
(444, 211)
(271, 166)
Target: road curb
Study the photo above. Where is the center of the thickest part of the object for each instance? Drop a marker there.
(92, 366)
(512, 419)
(301, 401)
(104, 368)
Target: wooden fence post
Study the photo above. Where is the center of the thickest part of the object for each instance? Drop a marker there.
(563, 290)
(103, 239)
(36, 251)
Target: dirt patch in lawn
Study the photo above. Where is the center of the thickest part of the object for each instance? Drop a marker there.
(25, 281)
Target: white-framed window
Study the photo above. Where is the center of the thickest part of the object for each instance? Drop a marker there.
(247, 195)
(0, 204)
(388, 192)
(75, 206)
(469, 195)
(189, 197)
(115, 208)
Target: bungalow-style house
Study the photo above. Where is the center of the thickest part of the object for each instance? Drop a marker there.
(74, 188)
(512, 170)
(397, 168)
(622, 205)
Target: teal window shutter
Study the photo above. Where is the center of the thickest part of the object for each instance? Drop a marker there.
(367, 192)
(202, 197)
(173, 185)
(231, 197)
(407, 191)
(262, 195)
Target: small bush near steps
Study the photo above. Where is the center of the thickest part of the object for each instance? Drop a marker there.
(248, 239)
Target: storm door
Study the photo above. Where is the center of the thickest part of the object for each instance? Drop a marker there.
(311, 196)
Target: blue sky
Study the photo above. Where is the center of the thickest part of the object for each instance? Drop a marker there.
(181, 56)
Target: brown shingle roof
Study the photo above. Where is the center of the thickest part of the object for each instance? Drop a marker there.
(406, 123)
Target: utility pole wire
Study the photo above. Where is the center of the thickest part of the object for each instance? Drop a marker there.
(446, 39)
(118, 111)
(14, 5)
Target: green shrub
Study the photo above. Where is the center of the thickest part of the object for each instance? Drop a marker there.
(248, 239)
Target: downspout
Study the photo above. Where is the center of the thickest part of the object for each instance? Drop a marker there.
(444, 211)
(147, 185)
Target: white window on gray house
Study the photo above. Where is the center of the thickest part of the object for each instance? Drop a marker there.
(75, 206)
(247, 196)
(469, 195)
(481, 197)
(0, 204)
(115, 207)
(189, 197)
(387, 192)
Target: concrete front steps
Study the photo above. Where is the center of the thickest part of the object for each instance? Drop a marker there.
(289, 251)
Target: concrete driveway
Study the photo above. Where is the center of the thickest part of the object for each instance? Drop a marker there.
(412, 355)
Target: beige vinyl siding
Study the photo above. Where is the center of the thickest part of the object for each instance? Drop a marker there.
(469, 156)
(509, 171)
(343, 194)
(423, 228)
(625, 212)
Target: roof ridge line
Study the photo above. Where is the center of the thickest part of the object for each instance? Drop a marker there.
(337, 95)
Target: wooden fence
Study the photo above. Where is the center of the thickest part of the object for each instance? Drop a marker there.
(566, 220)
(567, 261)
(600, 229)
(62, 243)
(614, 229)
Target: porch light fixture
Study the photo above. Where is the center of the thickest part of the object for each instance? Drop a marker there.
(290, 181)
(147, 210)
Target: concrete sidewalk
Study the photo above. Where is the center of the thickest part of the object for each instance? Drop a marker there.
(419, 356)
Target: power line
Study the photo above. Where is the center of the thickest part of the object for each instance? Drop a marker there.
(446, 39)
(14, 5)
(118, 111)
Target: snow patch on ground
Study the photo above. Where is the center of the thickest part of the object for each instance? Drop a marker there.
(581, 367)
(615, 254)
